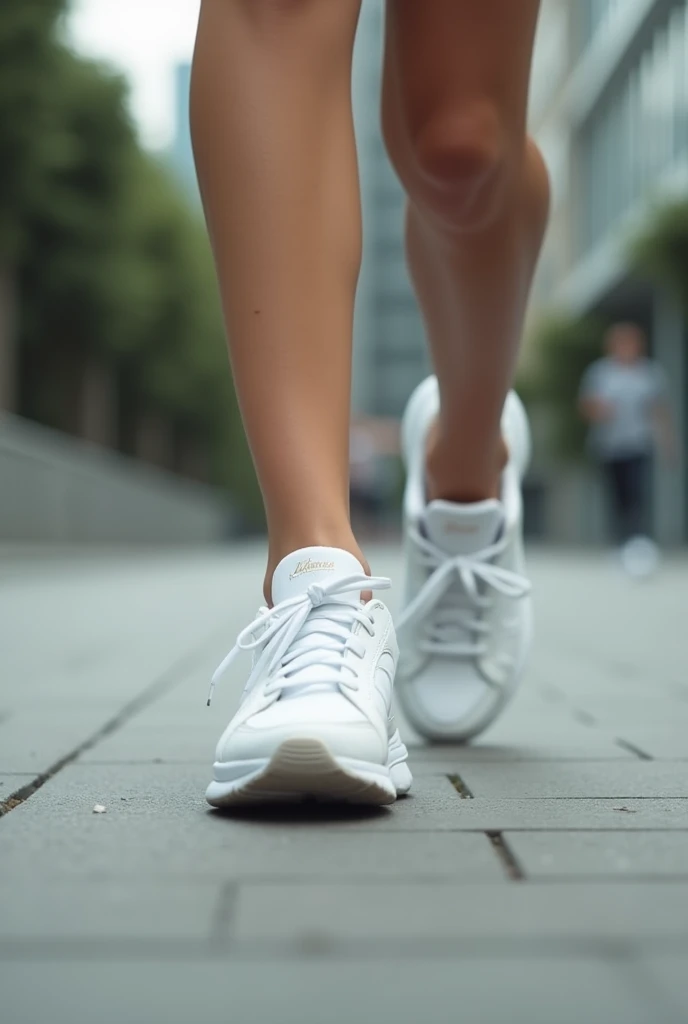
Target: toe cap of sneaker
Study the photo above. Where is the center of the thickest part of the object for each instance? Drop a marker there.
(343, 728)
(450, 706)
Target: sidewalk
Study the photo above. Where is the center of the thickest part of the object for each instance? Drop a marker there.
(539, 876)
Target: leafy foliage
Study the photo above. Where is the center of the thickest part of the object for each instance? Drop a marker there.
(112, 261)
(660, 251)
(75, 271)
(564, 348)
(26, 55)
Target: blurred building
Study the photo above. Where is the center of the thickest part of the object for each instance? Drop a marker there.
(389, 349)
(610, 108)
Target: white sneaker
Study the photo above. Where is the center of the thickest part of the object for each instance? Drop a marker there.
(640, 557)
(466, 627)
(315, 716)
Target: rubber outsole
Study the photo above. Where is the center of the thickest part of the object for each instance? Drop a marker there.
(303, 769)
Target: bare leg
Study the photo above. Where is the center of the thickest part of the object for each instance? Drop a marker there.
(454, 111)
(274, 146)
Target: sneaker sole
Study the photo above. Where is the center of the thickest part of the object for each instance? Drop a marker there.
(305, 768)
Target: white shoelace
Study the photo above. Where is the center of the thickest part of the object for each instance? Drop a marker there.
(294, 637)
(451, 601)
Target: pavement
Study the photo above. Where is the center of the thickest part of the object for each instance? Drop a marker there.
(539, 875)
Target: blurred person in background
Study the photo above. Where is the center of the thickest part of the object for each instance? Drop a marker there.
(276, 158)
(623, 397)
(373, 442)
(365, 496)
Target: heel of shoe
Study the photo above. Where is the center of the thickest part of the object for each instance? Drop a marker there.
(421, 407)
(516, 430)
(397, 763)
(424, 404)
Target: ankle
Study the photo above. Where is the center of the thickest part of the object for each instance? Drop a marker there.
(464, 473)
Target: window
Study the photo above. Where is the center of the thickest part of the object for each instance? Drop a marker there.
(639, 131)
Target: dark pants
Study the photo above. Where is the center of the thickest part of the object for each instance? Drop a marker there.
(628, 482)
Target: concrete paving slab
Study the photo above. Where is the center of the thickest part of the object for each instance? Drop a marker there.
(74, 650)
(82, 909)
(10, 781)
(567, 736)
(553, 775)
(668, 971)
(646, 855)
(666, 742)
(159, 791)
(147, 740)
(168, 792)
(321, 992)
(612, 709)
(517, 737)
(32, 746)
(424, 912)
(491, 815)
(117, 845)
(422, 756)
(569, 780)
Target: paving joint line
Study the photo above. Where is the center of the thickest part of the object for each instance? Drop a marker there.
(633, 749)
(506, 856)
(460, 786)
(223, 915)
(584, 717)
(550, 947)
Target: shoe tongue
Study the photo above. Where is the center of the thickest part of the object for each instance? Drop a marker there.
(463, 529)
(295, 573)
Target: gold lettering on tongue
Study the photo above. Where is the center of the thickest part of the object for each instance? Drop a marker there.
(308, 565)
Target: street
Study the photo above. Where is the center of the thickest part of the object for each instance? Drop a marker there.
(539, 875)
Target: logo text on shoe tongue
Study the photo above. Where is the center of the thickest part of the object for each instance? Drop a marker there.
(309, 565)
(453, 527)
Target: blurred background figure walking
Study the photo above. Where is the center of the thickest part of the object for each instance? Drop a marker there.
(623, 397)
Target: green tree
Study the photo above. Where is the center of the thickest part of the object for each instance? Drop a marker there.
(660, 251)
(75, 304)
(174, 348)
(26, 52)
(113, 264)
(564, 346)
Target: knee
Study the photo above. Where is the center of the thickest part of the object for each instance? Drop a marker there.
(456, 164)
(263, 8)
(266, 15)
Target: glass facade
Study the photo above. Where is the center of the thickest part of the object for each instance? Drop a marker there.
(597, 15)
(391, 341)
(639, 131)
(399, 357)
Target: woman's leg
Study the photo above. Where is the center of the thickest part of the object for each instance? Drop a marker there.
(274, 145)
(614, 474)
(454, 116)
(639, 471)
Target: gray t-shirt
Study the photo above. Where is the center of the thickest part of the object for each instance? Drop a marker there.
(633, 391)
